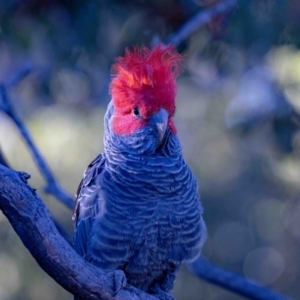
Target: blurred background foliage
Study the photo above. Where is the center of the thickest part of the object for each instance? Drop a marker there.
(237, 118)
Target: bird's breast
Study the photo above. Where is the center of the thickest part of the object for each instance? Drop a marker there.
(152, 216)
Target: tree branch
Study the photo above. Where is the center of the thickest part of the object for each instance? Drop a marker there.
(6, 106)
(203, 17)
(59, 227)
(32, 222)
(233, 282)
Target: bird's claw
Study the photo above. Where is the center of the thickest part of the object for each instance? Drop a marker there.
(119, 280)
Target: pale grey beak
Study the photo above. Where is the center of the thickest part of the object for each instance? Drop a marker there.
(160, 121)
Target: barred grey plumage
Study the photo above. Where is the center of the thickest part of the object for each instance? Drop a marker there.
(138, 208)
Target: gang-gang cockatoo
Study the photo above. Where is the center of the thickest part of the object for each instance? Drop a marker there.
(138, 208)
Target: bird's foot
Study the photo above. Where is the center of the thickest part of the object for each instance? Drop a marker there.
(119, 280)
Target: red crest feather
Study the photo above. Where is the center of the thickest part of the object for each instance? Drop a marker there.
(146, 79)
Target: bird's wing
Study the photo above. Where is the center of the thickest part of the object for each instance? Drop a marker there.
(86, 206)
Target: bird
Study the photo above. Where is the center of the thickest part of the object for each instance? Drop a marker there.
(137, 207)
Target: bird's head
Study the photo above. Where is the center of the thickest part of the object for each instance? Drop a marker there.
(143, 90)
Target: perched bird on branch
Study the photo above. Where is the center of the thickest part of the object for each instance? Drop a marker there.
(138, 208)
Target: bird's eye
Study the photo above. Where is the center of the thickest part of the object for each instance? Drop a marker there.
(136, 112)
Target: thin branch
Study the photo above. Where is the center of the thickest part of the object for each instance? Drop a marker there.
(32, 222)
(233, 282)
(6, 106)
(18, 76)
(203, 17)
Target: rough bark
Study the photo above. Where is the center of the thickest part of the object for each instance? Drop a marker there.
(32, 222)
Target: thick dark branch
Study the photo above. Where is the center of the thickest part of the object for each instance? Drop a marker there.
(53, 186)
(233, 282)
(203, 17)
(32, 222)
(59, 227)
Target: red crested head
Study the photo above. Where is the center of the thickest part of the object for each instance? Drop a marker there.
(144, 81)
